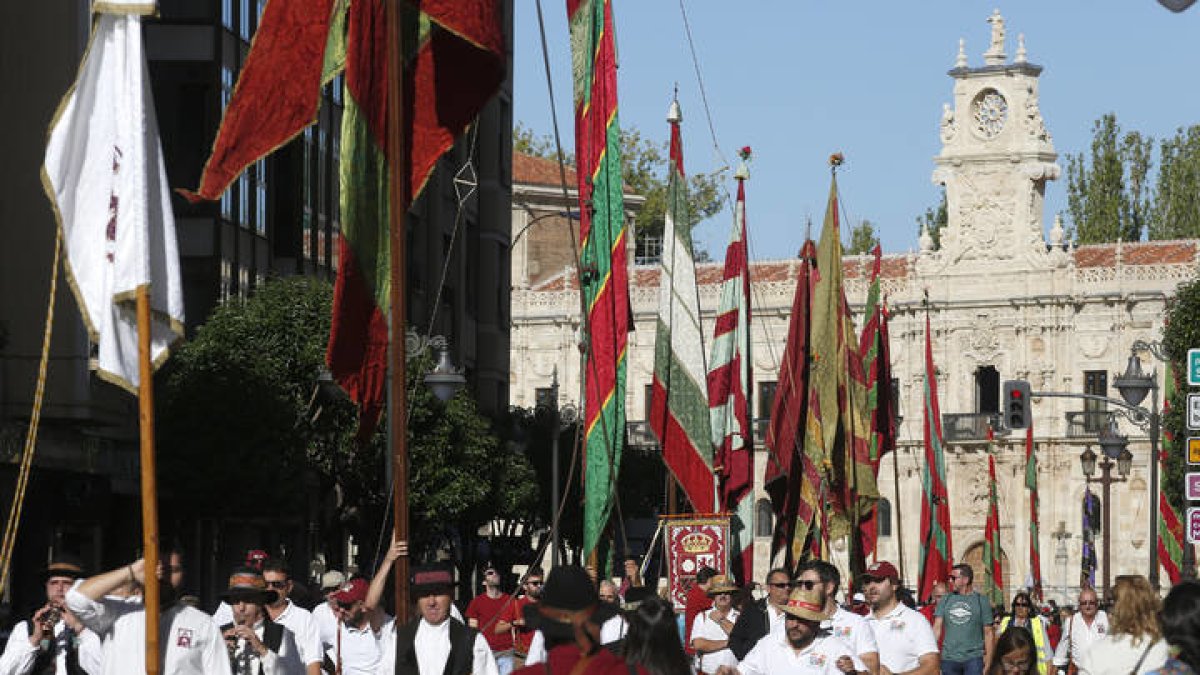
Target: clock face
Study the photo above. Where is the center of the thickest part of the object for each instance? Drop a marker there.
(990, 111)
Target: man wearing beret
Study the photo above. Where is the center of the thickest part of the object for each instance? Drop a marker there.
(53, 640)
(257, 645)
(434, 641)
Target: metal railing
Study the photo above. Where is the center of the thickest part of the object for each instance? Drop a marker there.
(958, 427)
(1087, 423)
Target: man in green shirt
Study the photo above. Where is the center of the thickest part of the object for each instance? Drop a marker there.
(965, 618)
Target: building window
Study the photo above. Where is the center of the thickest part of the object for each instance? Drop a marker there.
(260, 197)
(647, 402)
(987, 390)
(243, 197)
(648, 250)
(1095, 416)
(227, 14)
(883, 517)
(764, 517)
(543, 397)
(766, 399)
(245, 26)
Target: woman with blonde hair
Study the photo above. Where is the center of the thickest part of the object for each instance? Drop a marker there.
(1134, 643)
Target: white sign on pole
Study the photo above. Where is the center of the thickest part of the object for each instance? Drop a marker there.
(1193, 412)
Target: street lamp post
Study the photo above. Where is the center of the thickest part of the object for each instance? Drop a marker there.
(1133, 385)
(1110, 443)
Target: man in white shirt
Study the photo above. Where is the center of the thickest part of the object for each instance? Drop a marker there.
(53, 635)
(323, 613)
(844, 625)
(435, 642)
(257, 645)
(711, 628)
(356, 645)
(293, 617)
(804, 648)
(1089, 624)
(765, 618)
(189, 642)
(904, 638)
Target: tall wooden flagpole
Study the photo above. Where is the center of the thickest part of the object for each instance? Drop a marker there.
(397, 384)
(149, 486)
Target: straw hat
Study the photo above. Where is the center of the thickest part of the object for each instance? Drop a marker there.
(721, 584)
(806, 604)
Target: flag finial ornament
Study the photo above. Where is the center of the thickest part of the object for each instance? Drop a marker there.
(835, 160)
(743, 170)
(674, 114)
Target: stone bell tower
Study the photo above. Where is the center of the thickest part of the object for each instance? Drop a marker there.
(996, 158)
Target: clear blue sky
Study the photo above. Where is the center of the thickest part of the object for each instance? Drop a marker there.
(799, 79)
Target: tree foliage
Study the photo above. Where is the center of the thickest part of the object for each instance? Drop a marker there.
(1182, 333)
(863, 239)
(240, 407)
(933, 220)
(1176, 208)
(1107, 194)
(644, 169)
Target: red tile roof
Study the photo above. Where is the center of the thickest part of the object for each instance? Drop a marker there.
(1138, 253)
(532, 170)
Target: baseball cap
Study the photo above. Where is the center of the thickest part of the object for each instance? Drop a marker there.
(332, 579)
(352, 591)
(881, 570)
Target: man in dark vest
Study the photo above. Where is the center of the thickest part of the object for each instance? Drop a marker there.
(257, 645)
(434, 641)
(53, 641)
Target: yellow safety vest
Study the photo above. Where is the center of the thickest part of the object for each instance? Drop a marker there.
(1041, 639)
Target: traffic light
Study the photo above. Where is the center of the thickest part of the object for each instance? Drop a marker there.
(1017, 403)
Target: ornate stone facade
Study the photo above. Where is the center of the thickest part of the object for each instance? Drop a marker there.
(1004, 302)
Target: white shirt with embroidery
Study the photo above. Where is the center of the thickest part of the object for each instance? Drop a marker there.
(189, 642)
(774, 654)
(704, 627)
(1078, 636)
(852, 629)
(902, 636)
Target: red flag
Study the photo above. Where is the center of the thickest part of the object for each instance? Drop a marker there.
(277, 94)
(452, 68)
(937, 549)
(793, 498)
(876, 357)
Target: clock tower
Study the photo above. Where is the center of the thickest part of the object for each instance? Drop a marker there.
(996, 158)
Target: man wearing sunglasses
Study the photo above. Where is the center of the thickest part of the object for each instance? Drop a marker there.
(765, 618)
(964, 619)
(846, 626)
(291, 616)
(1088, 625)
(512, 619)
(484, 613)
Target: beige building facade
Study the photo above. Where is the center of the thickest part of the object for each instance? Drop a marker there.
(1007, 299)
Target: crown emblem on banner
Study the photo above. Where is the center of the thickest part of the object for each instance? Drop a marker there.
(697, 542)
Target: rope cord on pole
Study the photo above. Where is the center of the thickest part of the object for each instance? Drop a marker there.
(14, 517)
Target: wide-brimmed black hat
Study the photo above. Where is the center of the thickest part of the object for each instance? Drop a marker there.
(635, 596)
(65, 565)
(568, 595)
(246, 584)
(431, 580)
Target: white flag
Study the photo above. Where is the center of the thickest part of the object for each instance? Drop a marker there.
(104, 174)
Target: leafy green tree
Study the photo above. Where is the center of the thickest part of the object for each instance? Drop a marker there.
(1107, 195)
(1182, 333)
(862, 239)
(934, 219)
(644, 168)
(1176, 206)
(240, 407)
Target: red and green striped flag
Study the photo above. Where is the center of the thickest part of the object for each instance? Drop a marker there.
(679, 413)
(454, 61)
(604, 275)
(729, 379)
(1031, 484)
(791, 479)
(1171, 535)
(880, 406)
(993, 573)
(937, 548)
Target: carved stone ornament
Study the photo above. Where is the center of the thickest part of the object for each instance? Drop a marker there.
(949, 127)
(982, 343)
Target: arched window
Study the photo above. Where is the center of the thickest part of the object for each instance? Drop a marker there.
(883, 517)
(764, 518)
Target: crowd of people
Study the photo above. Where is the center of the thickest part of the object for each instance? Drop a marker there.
(571, 622)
